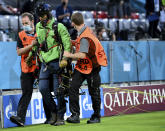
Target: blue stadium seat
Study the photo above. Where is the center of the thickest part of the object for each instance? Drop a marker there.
(126, 24)
(13, 22)
(88, 14)
(142, 15)
(89, 22)
(121, 27)
(4, 22)
(144, 24)
(104, 21)
(134, 24)
(113, 24)
(83, 13)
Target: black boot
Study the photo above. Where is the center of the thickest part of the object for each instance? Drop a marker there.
(94, 119)
(47, 121)
(53, 118)
(59, 122)
(73, 119)
(17, 120)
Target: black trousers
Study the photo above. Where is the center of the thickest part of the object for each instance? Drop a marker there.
(27, 81)
(47, 111)
(153, 31)
(93, 80)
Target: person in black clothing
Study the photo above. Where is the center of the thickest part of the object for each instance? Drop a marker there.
(63, 13)
(152, 13)
(29, 6)
(105, 35)
(115, 8)
(27, 79)
(126, 8)
(87, 68)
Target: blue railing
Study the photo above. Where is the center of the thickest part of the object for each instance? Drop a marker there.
(9, 66)
(128, 61)
(134, 61)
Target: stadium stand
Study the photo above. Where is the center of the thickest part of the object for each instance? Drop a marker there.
(88, 9)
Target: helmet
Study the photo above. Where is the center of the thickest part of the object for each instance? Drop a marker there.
(43, 9)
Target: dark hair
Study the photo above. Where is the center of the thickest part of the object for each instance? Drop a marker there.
(77, 18)
(99, 29)
(31, 17)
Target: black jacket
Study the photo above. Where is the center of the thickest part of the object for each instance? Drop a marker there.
(150, 6)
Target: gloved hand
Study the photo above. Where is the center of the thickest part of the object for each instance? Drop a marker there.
(28, 61)
(63, 63)
(34, 42)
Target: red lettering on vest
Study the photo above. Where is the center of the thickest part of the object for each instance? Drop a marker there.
(95, 56)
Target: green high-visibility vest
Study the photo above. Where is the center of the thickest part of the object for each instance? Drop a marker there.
(47, 34)
(163, 2)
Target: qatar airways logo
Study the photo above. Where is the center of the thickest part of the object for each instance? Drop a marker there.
(133, 98)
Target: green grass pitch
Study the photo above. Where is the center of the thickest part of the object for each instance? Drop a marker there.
(153, 121)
